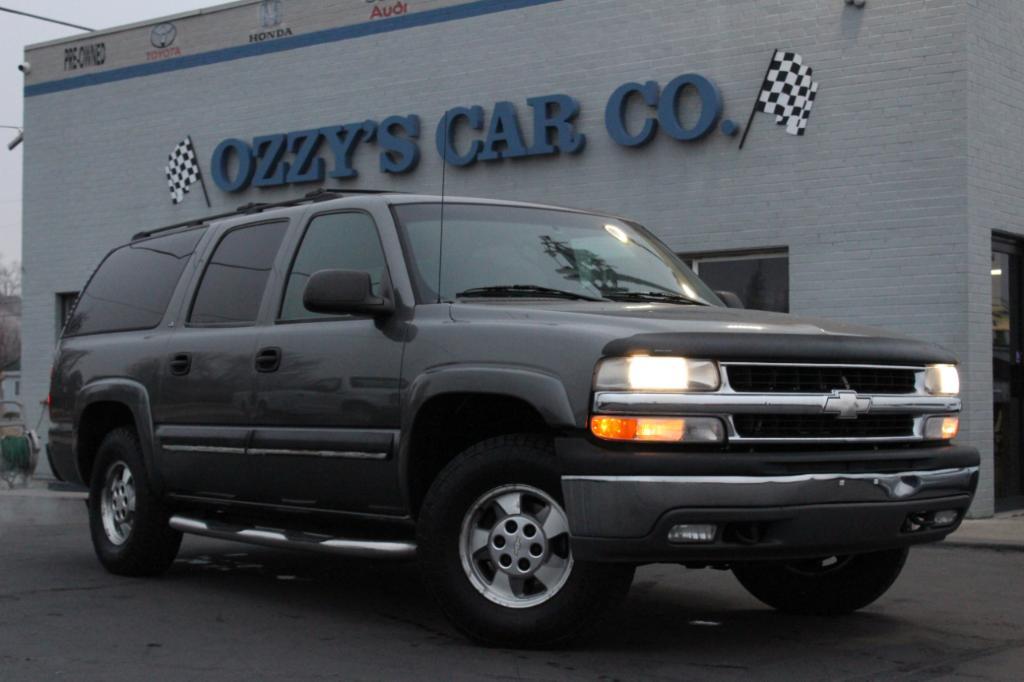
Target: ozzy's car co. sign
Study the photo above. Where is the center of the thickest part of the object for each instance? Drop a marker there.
(466, 135)
(463, 136)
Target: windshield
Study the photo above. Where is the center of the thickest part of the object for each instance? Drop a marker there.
(519, 251)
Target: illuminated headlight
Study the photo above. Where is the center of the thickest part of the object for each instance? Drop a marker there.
(942, 380)
(650, 373)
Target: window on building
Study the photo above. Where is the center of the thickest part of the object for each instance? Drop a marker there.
(336, 241)
(759, 278)
(17, 388)
(65, 306)
(132, 286)
(232, 287)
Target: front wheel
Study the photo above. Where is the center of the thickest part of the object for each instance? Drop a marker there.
(494, 545)
(827, 586)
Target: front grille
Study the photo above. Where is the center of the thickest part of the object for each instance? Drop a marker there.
(809, 379)
(822, 426)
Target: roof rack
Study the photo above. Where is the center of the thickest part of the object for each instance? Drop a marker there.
(319, 194)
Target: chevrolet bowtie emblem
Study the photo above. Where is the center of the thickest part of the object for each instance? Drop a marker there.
(846, 404)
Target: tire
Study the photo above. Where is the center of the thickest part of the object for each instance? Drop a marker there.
(561, 599)
(823, 587)
(127, 521)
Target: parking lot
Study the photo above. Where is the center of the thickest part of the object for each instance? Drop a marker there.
(240, 612)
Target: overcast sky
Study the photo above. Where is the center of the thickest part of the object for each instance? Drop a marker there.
(16, 32)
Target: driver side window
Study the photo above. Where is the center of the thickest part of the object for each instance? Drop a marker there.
(336, 241)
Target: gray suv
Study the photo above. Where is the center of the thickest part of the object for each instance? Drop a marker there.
(528, 400)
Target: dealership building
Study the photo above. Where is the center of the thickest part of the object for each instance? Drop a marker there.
(862, 163)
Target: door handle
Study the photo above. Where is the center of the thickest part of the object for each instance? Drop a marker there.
(181, 363)
(268, 359)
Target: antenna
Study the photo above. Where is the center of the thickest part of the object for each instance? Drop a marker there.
(440, 239)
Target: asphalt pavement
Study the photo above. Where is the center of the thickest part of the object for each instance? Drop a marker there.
(229, 611)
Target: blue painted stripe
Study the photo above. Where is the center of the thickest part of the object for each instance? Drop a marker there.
(330, 35)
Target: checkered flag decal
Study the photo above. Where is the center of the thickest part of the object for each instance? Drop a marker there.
(182, 170)
(788, 92)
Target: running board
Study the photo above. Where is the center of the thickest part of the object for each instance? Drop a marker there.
(287, 539)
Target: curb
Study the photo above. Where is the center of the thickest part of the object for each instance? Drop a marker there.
(981, 544)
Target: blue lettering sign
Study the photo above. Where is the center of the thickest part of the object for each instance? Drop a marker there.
(270, 170)
(504, 138)
(342, 141)
(553, 128)
(308, 167)
(710, 110)
(463, 136)
(400, 154)
(615, 113)
(222, 159)
(446, 130)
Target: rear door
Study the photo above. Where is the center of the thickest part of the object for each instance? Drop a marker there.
(204, 413)
(328, 410)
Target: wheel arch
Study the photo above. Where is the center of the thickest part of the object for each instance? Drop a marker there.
(103, 406)
(445, 409)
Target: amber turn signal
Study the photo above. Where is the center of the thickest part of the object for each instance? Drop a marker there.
(657, 429)
(942, 428)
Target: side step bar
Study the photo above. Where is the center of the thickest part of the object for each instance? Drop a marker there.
(287, 539)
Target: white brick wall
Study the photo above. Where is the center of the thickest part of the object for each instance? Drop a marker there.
(874, 202)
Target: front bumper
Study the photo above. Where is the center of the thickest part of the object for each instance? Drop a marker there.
(761, 507)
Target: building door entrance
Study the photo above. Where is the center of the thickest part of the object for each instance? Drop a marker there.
(1007, 372)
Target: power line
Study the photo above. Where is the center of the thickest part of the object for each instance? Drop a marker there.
(36, 16)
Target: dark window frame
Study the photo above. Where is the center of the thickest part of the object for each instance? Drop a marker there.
(295, 254)
(206, 266)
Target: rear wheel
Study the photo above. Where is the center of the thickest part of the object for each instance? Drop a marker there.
(826, 586)
(494, 543)
(128, 522)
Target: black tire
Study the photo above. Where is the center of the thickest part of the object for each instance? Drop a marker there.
(150, 545)
(589, 592)
(818, 587)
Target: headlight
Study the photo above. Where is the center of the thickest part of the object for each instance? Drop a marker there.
(656, 373)
(942, 380)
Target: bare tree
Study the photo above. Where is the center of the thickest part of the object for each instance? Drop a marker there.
(10, 313)
(10, 279)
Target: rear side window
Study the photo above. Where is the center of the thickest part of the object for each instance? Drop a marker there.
(132, 286)
(232, 286)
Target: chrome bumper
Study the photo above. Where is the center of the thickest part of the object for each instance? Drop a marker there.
(629, 506)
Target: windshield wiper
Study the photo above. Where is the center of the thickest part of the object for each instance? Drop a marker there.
(654, 296)
(523, 290)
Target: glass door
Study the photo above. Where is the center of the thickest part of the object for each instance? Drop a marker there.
(1007, 373)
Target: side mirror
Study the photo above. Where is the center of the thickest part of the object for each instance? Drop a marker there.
(730, 299)
(343, 292)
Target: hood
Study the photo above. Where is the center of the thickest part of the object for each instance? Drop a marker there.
(711, 331)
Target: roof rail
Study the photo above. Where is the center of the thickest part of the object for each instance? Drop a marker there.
(319, 194)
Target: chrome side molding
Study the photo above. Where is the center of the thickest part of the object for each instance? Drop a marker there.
(285, 539)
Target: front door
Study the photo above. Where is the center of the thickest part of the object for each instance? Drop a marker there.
(328, 410)
(1007, 372)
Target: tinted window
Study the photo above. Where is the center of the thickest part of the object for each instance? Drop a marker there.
(338, 241)
(232, 286)
(131, 288)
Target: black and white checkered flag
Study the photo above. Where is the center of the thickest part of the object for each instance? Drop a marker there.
(182, 170)
(788, 92)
